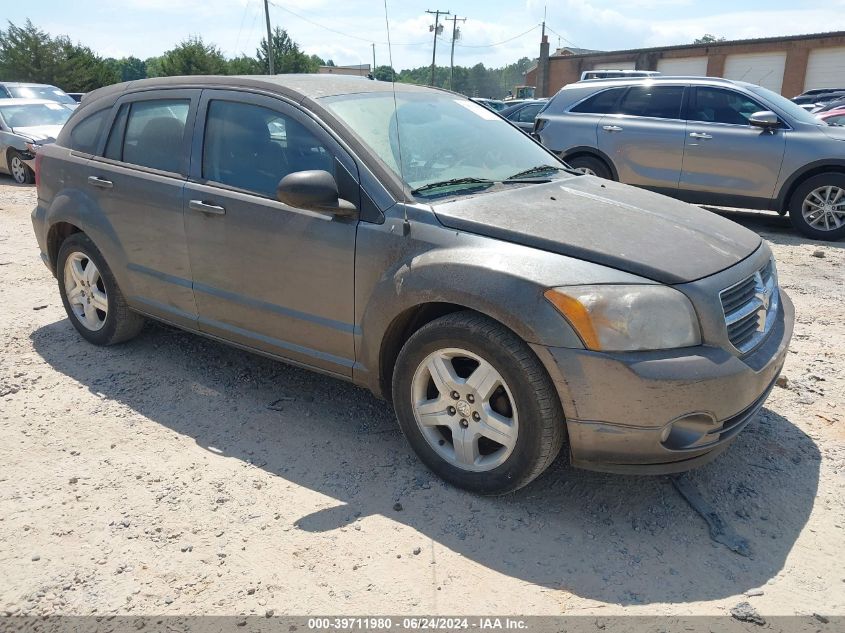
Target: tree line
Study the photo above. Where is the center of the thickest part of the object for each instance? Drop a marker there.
(30, 54)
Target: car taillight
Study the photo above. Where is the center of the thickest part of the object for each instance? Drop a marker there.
(38, 158)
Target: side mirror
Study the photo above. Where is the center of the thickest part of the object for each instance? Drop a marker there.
(766, 119)
(315, 190)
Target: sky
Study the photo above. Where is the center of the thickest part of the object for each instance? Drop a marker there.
(496, 32)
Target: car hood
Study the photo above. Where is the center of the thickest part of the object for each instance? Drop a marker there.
(39, 133)
(607, 223)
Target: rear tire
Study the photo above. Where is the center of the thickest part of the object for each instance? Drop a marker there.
(505, 427)
(590, 165)
(19, 170)
(817, 208)
(93, 301)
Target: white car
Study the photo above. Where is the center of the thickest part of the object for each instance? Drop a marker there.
(26, 124)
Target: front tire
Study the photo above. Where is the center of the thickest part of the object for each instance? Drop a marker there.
(93, 301)
(20, 171)
(476, 404)
(817, 208)
(591, 166)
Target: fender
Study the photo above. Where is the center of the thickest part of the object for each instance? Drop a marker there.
(810, 169)
(505, 281)
(586, 149)
(76, 207)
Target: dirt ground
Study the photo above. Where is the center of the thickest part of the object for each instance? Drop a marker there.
(175, 475)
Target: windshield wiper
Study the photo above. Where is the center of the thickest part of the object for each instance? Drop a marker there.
(451, 183)
(534, 171)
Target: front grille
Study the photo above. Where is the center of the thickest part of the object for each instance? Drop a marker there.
(750, 307)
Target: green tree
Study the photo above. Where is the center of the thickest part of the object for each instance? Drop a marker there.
(27, 54)
(707, 38)
(192, 57)
(385, 73)
(244, 65)
(131, 68)
(287, 56)
(79, 69)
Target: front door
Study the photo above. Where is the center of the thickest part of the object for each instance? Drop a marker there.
(268, 275)
(723, 153)
(137, 182)
(645, 140)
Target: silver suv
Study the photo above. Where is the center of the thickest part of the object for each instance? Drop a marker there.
(707, 141)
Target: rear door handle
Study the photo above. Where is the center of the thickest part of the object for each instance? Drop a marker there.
(611, 128)
(102, 183)
(699, 135)
(206, 207)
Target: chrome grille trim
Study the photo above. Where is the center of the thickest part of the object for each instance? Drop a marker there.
(750, 307)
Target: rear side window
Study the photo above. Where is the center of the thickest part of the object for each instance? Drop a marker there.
(529, 113)
(602, 103)
(252, 148)
(85, 135)
(661, 102)
(150, 134)
(715, 105)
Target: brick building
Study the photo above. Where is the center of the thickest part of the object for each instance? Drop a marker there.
(788, 65)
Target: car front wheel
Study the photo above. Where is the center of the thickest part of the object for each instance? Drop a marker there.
(20, 170)
(590, 166)
(817, 208)
(476, 405)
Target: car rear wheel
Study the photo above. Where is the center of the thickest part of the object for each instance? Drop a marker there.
(20, 170)
(817, 208)
(476, 405)
(92, 299)
(591, 166)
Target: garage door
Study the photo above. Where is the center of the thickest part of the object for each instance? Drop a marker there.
(683, 66)
(614, 66)
(764, 69)
(825, 69)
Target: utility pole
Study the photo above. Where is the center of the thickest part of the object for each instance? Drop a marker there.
(437, 30)
(455, 35)
(374, 58)
(269, 38)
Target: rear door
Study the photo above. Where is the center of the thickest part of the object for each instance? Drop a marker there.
(645, 138)
(268, 275)
(138, 184)
(724, 155)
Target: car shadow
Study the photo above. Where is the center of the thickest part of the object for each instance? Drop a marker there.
(617, 539)
(775, 228)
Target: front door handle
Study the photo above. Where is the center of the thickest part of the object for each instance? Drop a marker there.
(102, 183)
(206, 207)
(611, 128)
(699, 135)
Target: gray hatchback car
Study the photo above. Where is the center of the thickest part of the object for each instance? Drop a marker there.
(419, 246)
(704, 140)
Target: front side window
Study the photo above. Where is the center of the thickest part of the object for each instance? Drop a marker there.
(153, 136)
(252, 148)
(661, 102)
(602, 103)
(429, 138)
(716, 105)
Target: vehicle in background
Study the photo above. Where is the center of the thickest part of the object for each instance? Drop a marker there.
(493, 104)
(523, 113)
(818, 95)
(520, 92)
(76, 96)
(833, 117)
(19, 90)
(25, 126)
(612, 74)
(507, 306)
(704, 140)
(833, 104)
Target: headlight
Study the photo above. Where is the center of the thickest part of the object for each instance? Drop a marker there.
(628, 318)
(31, 148)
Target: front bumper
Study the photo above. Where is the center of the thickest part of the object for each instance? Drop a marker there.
(618, 405)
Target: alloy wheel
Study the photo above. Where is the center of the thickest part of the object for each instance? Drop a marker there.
(586, 171)
(18, 169)
(824, 208)
(464, 409)
(86, 291)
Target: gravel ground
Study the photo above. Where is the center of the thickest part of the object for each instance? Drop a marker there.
(175, 475)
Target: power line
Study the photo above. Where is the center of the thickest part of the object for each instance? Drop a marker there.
(510, 39)
(570, 42)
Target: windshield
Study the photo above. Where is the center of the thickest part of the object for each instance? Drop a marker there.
(34, 114)
(50, 93)
(441, 138)
(782, 103)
